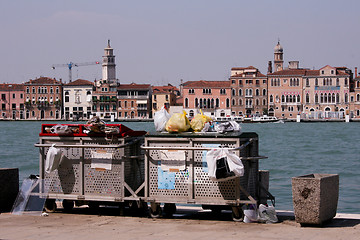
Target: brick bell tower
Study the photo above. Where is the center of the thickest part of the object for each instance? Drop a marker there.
(278, 57)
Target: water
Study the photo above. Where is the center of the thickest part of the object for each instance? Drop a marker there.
(293, 149)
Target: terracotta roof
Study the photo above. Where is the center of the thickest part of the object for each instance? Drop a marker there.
(80, 82)
(11, 87)
(342, 73)
(134, 86)
(258, 75)
(43, 80)
(164, 89)
(289, 72)
(243, 68)
(209, 84)
(312, 73)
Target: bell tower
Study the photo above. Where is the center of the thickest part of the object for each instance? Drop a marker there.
(108, 66)
(278, 57)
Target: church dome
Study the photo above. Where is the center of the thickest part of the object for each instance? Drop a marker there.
(278, 48)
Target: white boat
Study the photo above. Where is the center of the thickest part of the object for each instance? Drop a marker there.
(265, 119)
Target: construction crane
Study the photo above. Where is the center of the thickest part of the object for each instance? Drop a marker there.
(71, 65)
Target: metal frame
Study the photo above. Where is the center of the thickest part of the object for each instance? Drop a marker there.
(83, 178)
(246, 147)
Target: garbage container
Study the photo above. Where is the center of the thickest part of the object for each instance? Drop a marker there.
(95, 167)
(177, 171)
(315, 198)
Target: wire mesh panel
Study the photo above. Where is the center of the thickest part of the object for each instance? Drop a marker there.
(167, 184)
(192, 183)
(65, 179)
(93, 172)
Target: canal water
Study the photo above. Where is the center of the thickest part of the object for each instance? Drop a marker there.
(293, 149)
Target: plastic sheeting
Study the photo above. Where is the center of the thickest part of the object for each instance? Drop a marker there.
(31, 197)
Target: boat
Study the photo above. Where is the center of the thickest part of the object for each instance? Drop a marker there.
(265, 119)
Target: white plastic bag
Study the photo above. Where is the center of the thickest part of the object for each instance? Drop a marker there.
(223, 165)
(160, 119)
(267, 214)
(53, 158)
(60, 129)
(230, 126)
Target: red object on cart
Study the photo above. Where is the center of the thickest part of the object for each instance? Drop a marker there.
(80, 130)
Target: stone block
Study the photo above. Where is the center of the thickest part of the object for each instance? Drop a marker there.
(315, 198)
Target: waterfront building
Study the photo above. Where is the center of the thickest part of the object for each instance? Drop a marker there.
(285, 93)
(134, 101)
(213, 97)
(248, 91)
(12, 101)
(104, 97)
(77, 100)
(326, 93)
(43, 99)
(355, 98)
(164, 96)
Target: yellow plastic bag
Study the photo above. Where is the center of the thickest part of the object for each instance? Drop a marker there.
(198, 122)
(178, 122)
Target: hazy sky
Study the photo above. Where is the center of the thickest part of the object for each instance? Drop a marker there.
(163, 41)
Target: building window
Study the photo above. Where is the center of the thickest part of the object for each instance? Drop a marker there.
(186, 102)
(240, 92)
(227, 103)
(27, 90)
(3, 96)
(271, 99)
(264, 92)
(307, 98)
(217, 103)
(57, 90)
(67, 97)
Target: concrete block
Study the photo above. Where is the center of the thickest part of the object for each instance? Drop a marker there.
(315, 198)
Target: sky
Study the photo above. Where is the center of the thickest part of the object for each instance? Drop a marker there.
(163, 41)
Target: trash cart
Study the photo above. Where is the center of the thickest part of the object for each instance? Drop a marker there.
(177, 172)
(95, 168)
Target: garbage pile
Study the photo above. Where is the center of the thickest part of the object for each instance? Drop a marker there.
(179, 122)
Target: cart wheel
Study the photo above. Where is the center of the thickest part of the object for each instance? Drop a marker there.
(237, 214)
(157, 212)
(68, 205)
(50, 205)
(169, 209)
